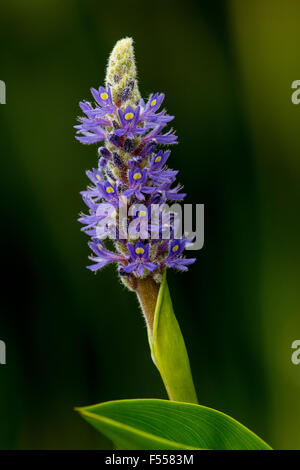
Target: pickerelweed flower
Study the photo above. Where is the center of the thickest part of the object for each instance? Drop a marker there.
(131, 225)
(131, 169)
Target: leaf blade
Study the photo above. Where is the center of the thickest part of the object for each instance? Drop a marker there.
(162, 424)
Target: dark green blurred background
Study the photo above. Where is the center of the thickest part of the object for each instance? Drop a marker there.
(76, 339)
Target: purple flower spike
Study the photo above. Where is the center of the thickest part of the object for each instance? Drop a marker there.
(132, 174)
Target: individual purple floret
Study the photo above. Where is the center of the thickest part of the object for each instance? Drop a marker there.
(149, 114)
(137, 184)
(139, 259)
(104, 100)
(129, 120)
(102, 256)
(156, 171)
(174, 259)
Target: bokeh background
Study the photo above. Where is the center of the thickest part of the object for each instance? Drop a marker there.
(74, 338)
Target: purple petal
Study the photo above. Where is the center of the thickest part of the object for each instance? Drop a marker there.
(128, 193)
(132, 251)
(150, 266)
(131, 267)
(139, 195)
(140, 269)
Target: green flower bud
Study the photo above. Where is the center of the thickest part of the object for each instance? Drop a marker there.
(121, 74)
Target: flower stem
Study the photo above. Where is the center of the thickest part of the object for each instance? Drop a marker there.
(147, 292)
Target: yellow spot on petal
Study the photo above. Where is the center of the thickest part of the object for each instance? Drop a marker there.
(128, 116)
(142, 214)
(104, 96)
(137, 176)
(100, 246)
(139, 251)
(109, 189)
(98, 177)
(158, 159)
(153, 102)
(175, 248)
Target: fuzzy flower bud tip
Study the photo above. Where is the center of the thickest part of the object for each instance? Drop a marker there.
(121, 74)
(131, 178)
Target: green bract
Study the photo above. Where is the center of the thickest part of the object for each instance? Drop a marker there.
(168, 350)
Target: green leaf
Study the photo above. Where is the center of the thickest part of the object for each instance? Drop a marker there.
(162, 424)
(168, 350)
